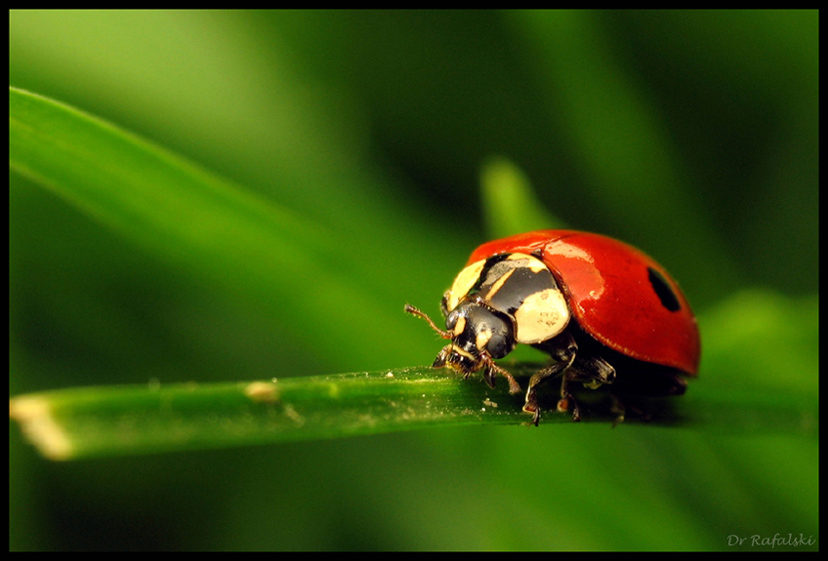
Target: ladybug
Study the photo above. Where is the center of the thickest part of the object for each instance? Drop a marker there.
(603, 310)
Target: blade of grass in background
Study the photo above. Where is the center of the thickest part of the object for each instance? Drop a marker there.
(181, 212)
(509, 203)
(624, 150)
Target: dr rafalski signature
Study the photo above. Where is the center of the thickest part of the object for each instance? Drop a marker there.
(777, 540)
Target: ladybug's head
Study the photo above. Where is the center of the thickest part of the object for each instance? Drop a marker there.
(478, 336)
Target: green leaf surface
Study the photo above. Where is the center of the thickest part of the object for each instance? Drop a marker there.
(103, 421)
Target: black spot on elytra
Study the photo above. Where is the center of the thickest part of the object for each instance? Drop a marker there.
(663, 290)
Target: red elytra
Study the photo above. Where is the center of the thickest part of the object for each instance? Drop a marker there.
(613, 295)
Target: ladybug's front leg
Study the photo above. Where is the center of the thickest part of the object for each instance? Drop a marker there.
(563, 351)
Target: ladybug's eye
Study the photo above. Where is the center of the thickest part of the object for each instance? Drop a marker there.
(662, 289)
(498, 346)
(451, 320)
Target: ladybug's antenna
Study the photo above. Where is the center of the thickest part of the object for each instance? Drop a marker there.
(420, 314)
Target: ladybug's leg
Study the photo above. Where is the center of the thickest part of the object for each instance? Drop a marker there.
(489, 371)
(619, 409)
(563, 352)
(627, 397)
(592, 372)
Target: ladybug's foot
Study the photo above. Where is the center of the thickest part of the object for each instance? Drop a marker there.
(489, 375)
(620, 409)
(617, 408)
(568, 402)
(531, 406)
(514, 387)
(535, 410)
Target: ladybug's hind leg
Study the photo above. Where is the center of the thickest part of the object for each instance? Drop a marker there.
(633, 391)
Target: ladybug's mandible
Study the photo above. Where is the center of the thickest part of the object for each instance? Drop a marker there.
(603, 310)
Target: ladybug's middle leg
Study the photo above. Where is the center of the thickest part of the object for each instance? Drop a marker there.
(574, 367)
(563, 350)
(592, 372)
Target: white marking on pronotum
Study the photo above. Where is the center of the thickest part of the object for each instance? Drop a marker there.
(463, 283)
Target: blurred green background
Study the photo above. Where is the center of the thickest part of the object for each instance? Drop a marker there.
(692, 135)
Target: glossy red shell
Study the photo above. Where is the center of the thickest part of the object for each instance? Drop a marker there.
(607, 285)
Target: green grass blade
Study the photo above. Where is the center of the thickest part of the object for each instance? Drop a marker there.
(130, 184)
(192, 218)
(510, 204)
(116, 420)
(78, 423)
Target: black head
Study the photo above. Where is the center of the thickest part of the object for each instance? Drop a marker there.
(478, 335)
